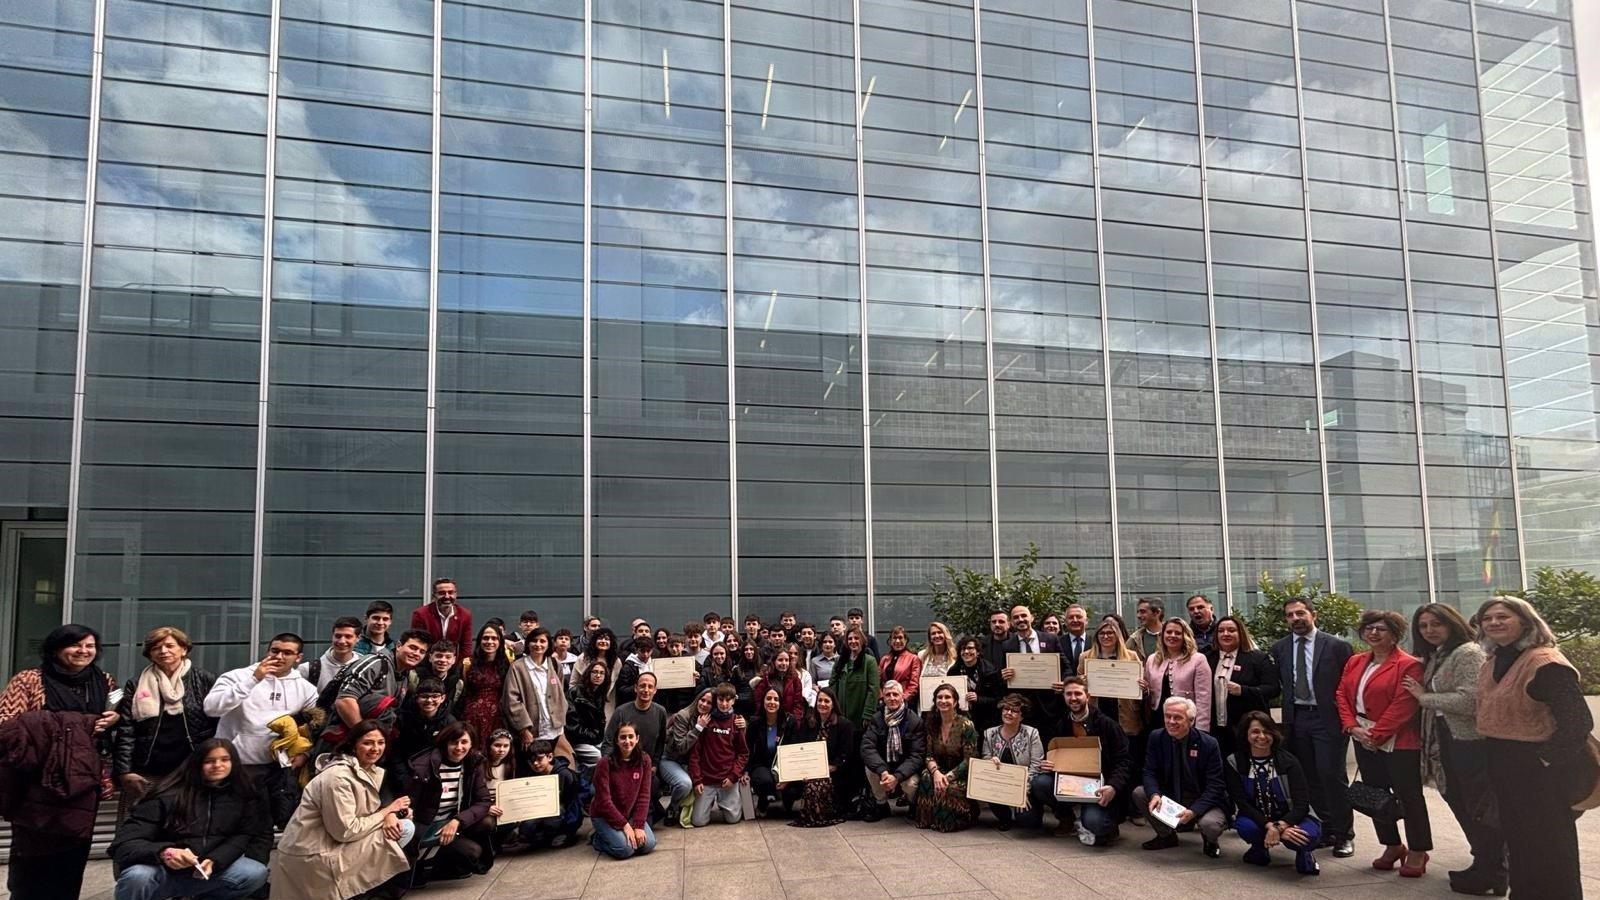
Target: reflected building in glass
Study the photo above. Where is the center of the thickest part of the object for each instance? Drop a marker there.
(625, 307)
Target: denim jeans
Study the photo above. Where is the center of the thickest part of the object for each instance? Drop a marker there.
(674, 781)
(614, 843)
(239, 880)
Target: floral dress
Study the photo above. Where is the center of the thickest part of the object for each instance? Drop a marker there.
(480, 705)
(953, 811)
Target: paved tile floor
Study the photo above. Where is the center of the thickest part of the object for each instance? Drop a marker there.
(859, 861)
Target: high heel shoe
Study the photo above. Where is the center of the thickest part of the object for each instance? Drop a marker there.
(1391, 856)
(1415, 871)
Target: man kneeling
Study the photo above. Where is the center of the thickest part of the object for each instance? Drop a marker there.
(1183, 764)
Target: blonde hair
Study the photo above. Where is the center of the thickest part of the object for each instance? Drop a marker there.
(1189, 646)
(949, 643)
(1535, 630)
(159, 634)
(1122, 645)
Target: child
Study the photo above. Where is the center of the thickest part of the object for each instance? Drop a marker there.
(563, 654)
(553, 832)
(717, 761)
(498, 766)
(441, 667)
(638, 661)
(422, 720)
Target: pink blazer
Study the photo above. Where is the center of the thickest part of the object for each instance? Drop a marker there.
(1191, 678)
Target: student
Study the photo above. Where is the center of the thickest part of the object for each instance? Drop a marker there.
(781, 677)
(836, 627)
(246, 699)
(1269, 792)
(940, 653)
(855, 681)
(620, 809)
(1017, 744)
(902, 665)
(535, 701)
(1183, 763)
(858, 619)
(1243, 678)
(716, 668)
(201, 831)
(893, 749)
(790, 625)
(713, 633)
(444, 618)
(526, 623)
(763, 736)
(808, 687)
(375, 635)
(163, 713)
(984, 685)
(441, 667)
(341, 652)
(484, 682)
(422, 720)
(684, 728)
(747, 670)
(676, 698)
(450, 802)
(1151, 614)
(591, 627)
(941, 800)
(499, 764)
(1176, 670)
(753, 629)
(661, 637)
(822, 662)
(563, 654)
(586, 714)
(377, 686)
(1096, 822)
(717, 764)
(602, 646)
(808, 645)
(343, 839)
(1310, 662)
(553, 832)
(824, 799)
(643, 648)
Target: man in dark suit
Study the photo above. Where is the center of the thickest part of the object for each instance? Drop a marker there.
(1045, 706)
(1310, 663)
(1074, 637)
(1184, 764)
(992, 646)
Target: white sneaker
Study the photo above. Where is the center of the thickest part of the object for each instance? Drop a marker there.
(1085, 836)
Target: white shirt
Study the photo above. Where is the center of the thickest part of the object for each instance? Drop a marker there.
(1029, 644)
(330, 669)
(1361, 687)
(244, 704)
(541, 683)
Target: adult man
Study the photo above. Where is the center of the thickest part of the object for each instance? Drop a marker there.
(246, 700)
(1183, 764)
(992, 646)
(1203, 619)
(1074, 637)
(1045, 705)
(1096, 824)
(893, 750)
(1150, 613)
(1310, 663)
(375, 637)
(649, 720)
(445, 618)
(340, 653)
(858, 619)
(376, 686)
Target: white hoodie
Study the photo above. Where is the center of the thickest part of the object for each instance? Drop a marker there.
(245, 704)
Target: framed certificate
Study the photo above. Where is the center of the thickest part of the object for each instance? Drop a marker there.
(1114, 678)
(1034, 671)
(802, 762)
(929, 684)
(521, 799)
(673, 672)
(1006, 785)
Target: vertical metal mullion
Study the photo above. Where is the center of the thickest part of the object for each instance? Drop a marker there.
(861, 305)
(430, 455)
(988, 291)
(1311, 285)
(85, 271)
(1211, 315)
(730, 307)
(1105, 309)
(264, 376)
(1500, 321)
(1411, 308)
(588, 318)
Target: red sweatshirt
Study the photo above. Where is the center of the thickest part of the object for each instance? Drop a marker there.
(622, 792)
(719, 755)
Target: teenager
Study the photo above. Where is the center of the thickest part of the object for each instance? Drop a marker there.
(641, 650)
(450, 802)
(586, 713)
(822, 663)
(246, 699)
(781, 677)
(341, 652)
(717, 764)
(684, 728)
(717, 668)
(423, 720)
(620, 809)
(763, 736)
(375, 632)
(748, 668)
(560, 830)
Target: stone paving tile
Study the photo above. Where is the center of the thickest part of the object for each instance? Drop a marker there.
(835, 888)
(657, 876)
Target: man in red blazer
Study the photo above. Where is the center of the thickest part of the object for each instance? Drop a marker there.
(445, 618)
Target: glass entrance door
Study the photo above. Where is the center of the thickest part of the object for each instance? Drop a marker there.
(33, 565)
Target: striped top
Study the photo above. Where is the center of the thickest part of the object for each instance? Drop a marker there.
(449, 805)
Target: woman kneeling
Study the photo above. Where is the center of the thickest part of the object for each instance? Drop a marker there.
(1270, 792)
(620, 809)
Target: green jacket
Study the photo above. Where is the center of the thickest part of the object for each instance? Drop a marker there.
(857, 690)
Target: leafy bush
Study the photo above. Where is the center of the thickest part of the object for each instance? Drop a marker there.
(1336, 613)
(1584, 654)
(966, 597)
(1568, 599)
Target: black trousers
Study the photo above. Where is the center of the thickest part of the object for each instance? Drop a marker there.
(1466, 782)
(1536, 816)
(1322, 752)
(1401, 772)
(45, 866)
(281, 789)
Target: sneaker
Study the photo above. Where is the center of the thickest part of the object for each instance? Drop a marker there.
(1258, 856)
(1211, 850)
(1085, 836)
(1161, 842)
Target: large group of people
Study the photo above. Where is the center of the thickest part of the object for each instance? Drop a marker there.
(379, 759)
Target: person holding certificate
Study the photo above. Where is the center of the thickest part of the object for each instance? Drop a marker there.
(1014, 744)
(1183, 787)
(941, 799)
(825, 798)
(1110, 644)
(984, 684)
(764, 734)
(1044, 703)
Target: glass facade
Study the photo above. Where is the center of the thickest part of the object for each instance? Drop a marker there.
(623, 307)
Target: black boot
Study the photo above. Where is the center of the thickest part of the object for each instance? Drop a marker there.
(1472, 881)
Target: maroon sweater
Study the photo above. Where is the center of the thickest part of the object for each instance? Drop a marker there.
(719, 755)
(622, 791)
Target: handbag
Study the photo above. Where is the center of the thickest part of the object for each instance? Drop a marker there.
(1374, 802)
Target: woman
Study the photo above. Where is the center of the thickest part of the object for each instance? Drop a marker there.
(781, 677)
(1243, 679)
(484, 683)
(621, 804)
(763, 735)
(1271, 796)
(825, 799)
(203, 826)
(450, 803)
(984, 684)
(1122, 626)
(1452, 750)
(797, 665)
(50, 833)
(941, 801)
(717, 669)
(586, 712)
(343, 840)
(940, 653)
(855, 681)
(901, 665)
(1535, 725)
(822, 662)
(1110, 644)
(1176, 669)
(163, 714)
(1051, 624)
(661, 637)
(1014, 744)
(1380, 716)
(602, 645)
(748, 669)
(535, 700)
(683, 730)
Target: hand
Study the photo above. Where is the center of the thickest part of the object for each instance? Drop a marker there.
(997, 763)
(891, 782)
(526, 737)
(1143, 684)
(739, 722)
(1107, 793)
(699, 789)
(298, 760)
(1234, 689)
(727, 783)
(398, 804)
(1294, 833)
(1270, 839)
(1008, 674)
(1056, 686)
(745, 778)
(176, 858)
(447, 834)
(206, 866)
(134, 784)
(1362, 735)
(105, 721)
(941, 782)
(627, 834)
(780, 785)
(1186, 817)
(1155, 803)
(972, 697)
(703, 721)
(1046, 766)
(1412, 686)
(391, 827)
(496, 811)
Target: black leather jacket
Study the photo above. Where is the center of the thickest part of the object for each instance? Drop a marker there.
(133, 742)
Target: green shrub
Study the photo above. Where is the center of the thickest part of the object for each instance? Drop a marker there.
(1568, 599)
(1584, 654)
(965, 598)
(1336, 613)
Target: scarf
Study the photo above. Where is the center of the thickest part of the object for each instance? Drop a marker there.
(156, 693)
(893, 749)
(84, 692)
(1262, 775)
(719, 715)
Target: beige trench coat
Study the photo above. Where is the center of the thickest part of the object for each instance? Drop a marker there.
(333, 847)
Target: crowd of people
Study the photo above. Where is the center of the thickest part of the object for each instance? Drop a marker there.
(378, 760)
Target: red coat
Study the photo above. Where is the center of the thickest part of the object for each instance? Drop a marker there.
(52, 773)
(1392, 708)
(426, 618)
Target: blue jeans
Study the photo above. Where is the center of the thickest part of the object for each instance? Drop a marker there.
(674, 780)
(614, 843)
(239, 880)
(1096, 819)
